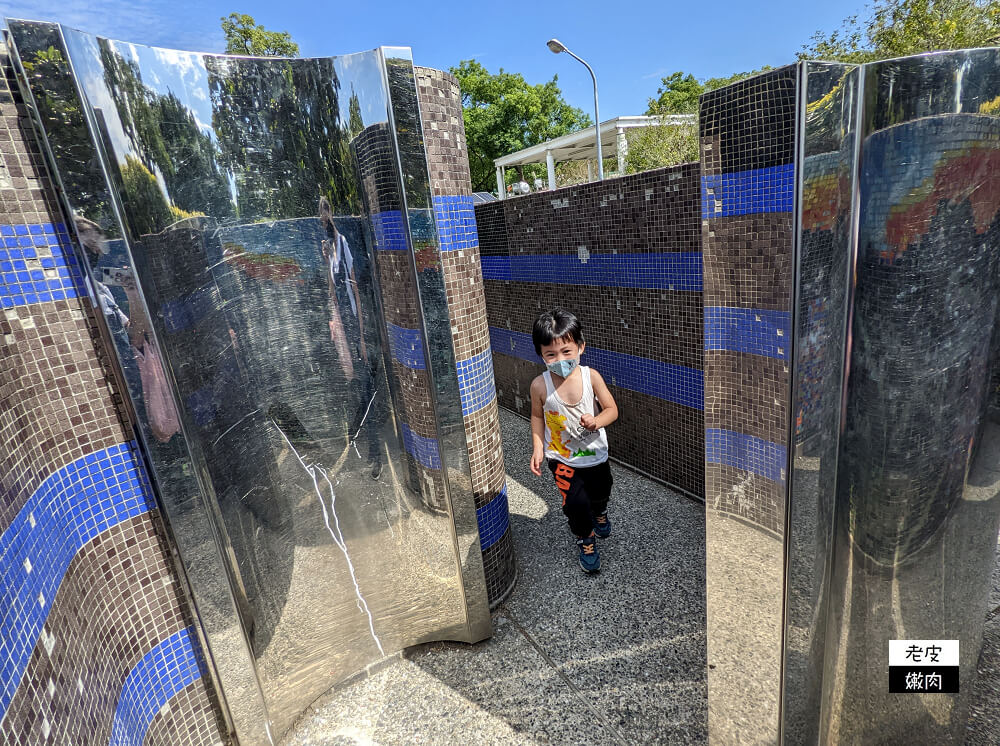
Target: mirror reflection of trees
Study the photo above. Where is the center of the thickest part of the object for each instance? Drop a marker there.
(168, 141)
(58, 108)
(280, 133)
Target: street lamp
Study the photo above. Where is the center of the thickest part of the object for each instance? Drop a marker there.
(557, 46)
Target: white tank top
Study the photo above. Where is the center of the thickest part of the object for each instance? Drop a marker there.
(566, 439)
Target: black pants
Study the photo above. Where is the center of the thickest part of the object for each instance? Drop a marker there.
(585, 491)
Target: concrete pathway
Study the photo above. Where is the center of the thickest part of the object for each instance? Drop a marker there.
(617, 658)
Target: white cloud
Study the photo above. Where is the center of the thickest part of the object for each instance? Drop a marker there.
(177, 25)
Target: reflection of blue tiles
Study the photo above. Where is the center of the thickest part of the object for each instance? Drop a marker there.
(456, 222)
(674, 383)
(389, 230)
(37, 265)
(475, 382)
(162, 673)
(748, 330)
(493, 519)
(71, 507)
(424, 450)
(182, 313)
(741, 451)
(748, 192)
(663, 271)
(407, 346)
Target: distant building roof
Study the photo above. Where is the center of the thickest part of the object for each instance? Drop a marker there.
(581, 145)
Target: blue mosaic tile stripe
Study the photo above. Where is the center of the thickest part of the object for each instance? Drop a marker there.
(662, 271)
(476, 385)
(748, 330)
(156, 679)
(748, 192)
(755, 455)
(389, 230)
(407, 346)
(456, 223)
(424, 450)
(71, 507)
(493, 519)
(38, 265)
(674, 383)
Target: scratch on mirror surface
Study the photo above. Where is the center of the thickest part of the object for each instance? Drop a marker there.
(235, 424)
(361, 425)
(338, 536)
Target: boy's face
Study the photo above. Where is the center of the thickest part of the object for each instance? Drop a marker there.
(562, 349)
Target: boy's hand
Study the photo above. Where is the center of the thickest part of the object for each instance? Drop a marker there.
(537, 456)
(589, 422)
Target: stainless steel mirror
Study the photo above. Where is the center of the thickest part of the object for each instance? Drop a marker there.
(243, 223)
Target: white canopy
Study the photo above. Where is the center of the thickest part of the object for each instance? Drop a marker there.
(582, 145)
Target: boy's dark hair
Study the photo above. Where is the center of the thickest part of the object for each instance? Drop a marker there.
(555, 324)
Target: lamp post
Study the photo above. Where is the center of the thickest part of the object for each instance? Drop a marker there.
(557, 46)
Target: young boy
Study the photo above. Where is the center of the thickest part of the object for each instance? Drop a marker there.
(568, 429)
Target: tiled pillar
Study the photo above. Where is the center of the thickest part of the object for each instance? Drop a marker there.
(97, 641)
(451, 186)
(376, 156)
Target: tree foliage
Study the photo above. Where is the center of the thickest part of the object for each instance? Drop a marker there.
(504, 113)
(670, 144)
(166, 137)
(678, 92)
(897, 28)
(245, 36)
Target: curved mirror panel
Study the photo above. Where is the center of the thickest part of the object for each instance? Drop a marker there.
(918, 479)
(822, 261)
(267, 301)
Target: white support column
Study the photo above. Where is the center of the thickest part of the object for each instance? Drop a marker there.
(622, 151)
(550, 164)
(501, 193)
(590, 170)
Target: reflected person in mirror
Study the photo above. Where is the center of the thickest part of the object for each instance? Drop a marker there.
(570, 407)
(131, 332)
(348, 330)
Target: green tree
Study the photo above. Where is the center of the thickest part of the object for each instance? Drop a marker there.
(150, 212)
(166, 137)
(677, 94)
(902, 27)
(281, 137)
(504, 113)
(245, 36)
(669, 144)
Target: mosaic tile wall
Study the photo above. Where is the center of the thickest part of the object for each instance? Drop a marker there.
(747, 189)
(451, 186)
(377, 162)
(97, 641)
(625, 256)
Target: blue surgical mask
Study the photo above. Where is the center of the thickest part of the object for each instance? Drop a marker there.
(563, 367)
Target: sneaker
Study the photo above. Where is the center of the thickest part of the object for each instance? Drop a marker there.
(590, 558)
(376, 468)
(602, 525)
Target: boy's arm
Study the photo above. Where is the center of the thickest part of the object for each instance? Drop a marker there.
(609, 410)
(537, 394)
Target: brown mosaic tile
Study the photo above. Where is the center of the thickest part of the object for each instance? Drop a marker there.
(187, 720)
(750, 497)
(119, 597)
(728, 376)
(93, 636)
(640, 308)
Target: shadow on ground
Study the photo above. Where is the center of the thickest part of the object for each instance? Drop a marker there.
(617, 658)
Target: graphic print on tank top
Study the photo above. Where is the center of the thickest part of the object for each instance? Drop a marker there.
(566, 439)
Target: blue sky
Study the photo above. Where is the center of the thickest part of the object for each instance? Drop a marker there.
(630, 46)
